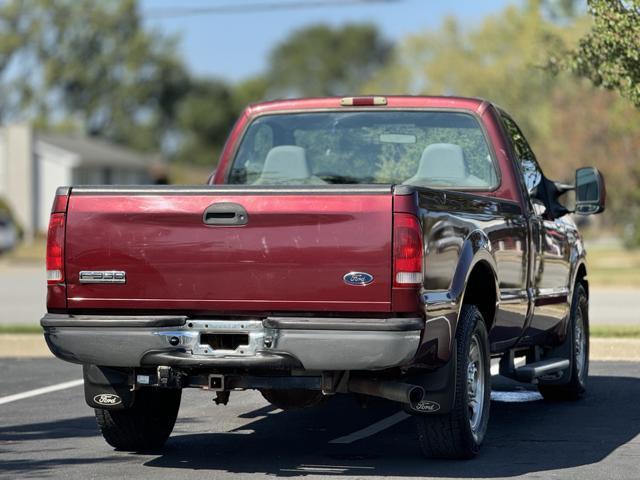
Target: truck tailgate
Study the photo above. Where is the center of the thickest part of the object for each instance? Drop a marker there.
(291, 255)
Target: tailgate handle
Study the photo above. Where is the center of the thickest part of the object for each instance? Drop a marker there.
(225, 214)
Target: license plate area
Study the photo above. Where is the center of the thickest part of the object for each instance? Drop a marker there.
(217, 338)
(225, 341)
(227, 337)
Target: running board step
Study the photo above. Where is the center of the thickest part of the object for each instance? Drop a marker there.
(532, 371)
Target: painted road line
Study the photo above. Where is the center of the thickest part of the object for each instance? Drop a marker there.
(372, 429)
(40, 391)
(398, 417)
(385, 422)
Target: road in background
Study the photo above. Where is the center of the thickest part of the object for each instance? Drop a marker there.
(23, 299)
(23, 294)
(612, 306)
(55, 436)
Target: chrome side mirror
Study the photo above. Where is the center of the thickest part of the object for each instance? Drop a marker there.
(590, 191)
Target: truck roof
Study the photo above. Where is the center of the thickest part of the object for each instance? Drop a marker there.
(393, 101)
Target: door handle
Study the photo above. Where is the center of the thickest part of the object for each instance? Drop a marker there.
(225, 214)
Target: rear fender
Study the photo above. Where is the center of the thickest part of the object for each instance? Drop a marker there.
(476, 249)
(442, 312)
(442, 308)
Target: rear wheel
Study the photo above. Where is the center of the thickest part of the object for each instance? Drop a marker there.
(459, 433)
(293, 399)
(578, 336)
(144, 426)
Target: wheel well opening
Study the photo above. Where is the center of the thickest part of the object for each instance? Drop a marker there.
(581, 277)
(481, 292)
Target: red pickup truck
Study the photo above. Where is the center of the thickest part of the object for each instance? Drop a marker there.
(384, 246)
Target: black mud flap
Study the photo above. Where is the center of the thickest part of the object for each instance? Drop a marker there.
(107, 388)
(439, 389)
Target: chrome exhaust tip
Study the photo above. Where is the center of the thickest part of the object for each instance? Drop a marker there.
(394, 391)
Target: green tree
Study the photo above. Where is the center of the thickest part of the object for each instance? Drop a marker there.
(568, 121)
(205, 117)
(561, 9)
(92, 62)
(251, 90)
(609, 54)
(321, 60)
(500, 58)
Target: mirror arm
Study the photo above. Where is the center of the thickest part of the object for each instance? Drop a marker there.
(563, 187)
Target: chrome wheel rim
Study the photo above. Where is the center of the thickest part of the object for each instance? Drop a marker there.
(475, 385)
(580, 345)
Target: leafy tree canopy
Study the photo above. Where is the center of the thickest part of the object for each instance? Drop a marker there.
(92, 62)
(321, 60)
(609, 54)
(500, 59)
(569, 122)
(205, 116)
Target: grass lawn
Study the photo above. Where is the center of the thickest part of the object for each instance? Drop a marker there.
(613, 267)
(615, 331)
(20, 329)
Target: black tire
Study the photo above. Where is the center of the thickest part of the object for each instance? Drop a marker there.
(144, 426)
(459, 433)
(578, 336)
(293, 399)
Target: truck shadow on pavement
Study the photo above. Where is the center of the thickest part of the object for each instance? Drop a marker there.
(65, 431)
(68, 428)
(523, 438)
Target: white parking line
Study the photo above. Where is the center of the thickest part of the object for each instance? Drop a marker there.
(40, 391)
(372, 429)
(395, 418)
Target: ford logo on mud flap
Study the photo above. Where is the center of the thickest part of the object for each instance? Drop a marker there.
(107, 399)
(427, 406)
(358, 278)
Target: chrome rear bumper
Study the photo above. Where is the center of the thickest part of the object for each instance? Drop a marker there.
(313, 344)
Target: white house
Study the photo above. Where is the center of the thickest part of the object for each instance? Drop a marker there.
(34, 164)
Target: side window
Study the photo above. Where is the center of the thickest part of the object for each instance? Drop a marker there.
(531, 173)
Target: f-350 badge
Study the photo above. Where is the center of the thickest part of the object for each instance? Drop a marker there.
(103, 276)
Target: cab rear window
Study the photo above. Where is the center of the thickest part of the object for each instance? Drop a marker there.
(423, 148)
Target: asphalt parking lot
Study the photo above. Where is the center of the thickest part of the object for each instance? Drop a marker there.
(53, 435)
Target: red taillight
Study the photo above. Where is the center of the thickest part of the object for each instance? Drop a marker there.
(407, 250)
(60, 204)
(55, 249)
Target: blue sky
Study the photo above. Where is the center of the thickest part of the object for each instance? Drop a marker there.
(235, 45)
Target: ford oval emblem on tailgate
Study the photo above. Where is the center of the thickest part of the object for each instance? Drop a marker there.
(358, 278)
